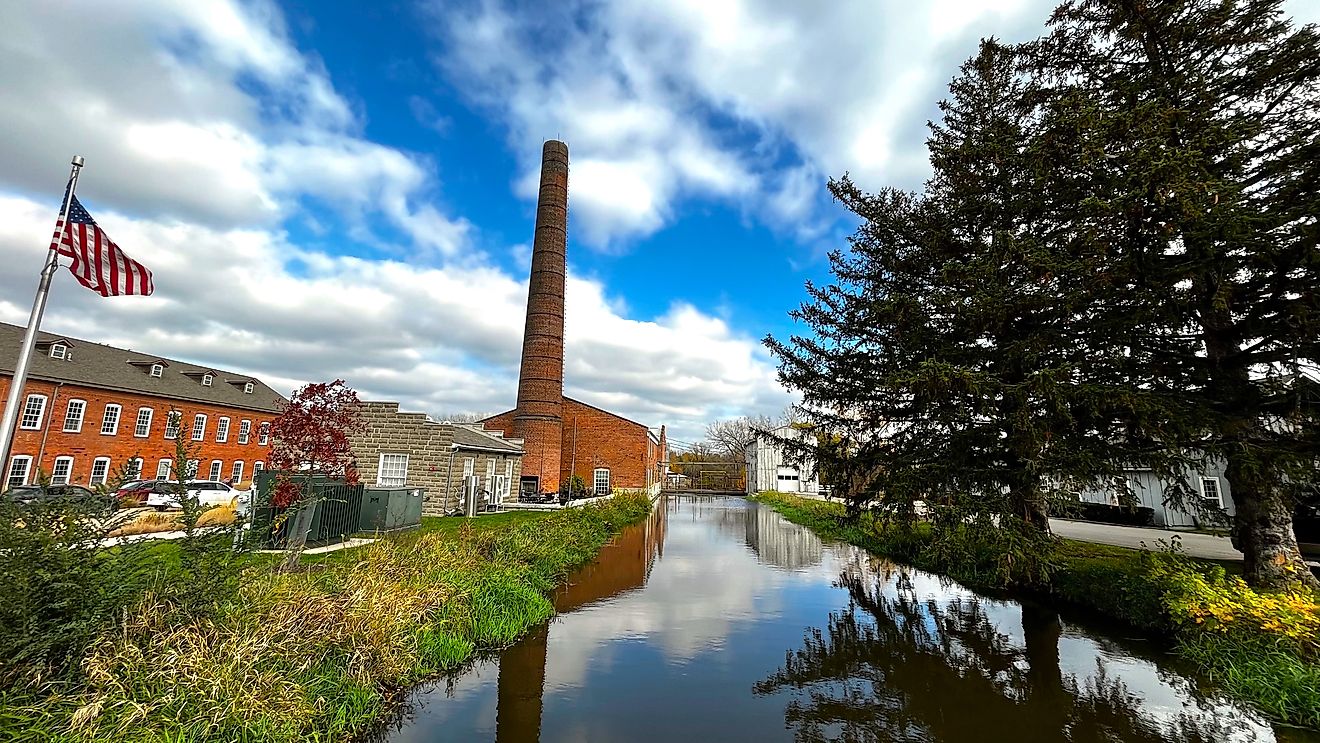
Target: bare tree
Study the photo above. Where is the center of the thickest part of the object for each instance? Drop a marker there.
(729, 438)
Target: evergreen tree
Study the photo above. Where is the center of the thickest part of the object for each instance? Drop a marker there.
(1195, 127)
(949, 351)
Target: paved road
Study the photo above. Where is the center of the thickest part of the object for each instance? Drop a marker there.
(1194, 544)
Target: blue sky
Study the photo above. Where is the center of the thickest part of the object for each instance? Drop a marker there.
(333, 189)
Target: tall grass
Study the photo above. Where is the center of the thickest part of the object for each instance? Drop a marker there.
(1260, 647)
(321, 654)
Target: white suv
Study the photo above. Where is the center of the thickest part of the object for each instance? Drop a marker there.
(207, 492)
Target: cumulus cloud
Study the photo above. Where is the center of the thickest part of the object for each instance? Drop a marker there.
(752, 101)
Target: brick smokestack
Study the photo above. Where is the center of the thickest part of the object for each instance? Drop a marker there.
(538, 419)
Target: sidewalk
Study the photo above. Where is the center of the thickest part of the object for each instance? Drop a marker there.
(1194, 544)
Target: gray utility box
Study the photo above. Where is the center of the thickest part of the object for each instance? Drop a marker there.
(389, 508)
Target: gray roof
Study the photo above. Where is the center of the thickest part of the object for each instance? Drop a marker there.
(106, 367)
(470, 438)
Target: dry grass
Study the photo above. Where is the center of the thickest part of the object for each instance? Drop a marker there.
(153, 522)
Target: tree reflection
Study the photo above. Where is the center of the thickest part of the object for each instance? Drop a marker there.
(894, 668)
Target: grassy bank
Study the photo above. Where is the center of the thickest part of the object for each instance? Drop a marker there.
(319, 654)
(1263, 648)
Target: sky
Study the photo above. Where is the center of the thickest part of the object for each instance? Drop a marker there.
(347, 190)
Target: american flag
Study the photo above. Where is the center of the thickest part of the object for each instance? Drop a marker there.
(98, 263)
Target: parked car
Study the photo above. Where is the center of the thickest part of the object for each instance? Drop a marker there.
(134, 490)
(29, 494)
(208, 493)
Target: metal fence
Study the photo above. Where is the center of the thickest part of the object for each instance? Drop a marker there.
(329, 510)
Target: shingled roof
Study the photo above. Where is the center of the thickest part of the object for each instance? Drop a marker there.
(106, 367)
(467, 437)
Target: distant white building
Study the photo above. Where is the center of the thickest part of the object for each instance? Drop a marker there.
(1208, 482)
(768, 467)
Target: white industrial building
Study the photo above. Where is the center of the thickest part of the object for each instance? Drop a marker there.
(769, 468)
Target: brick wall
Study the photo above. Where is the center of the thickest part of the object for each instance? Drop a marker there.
(594, 438)
(89, 443)
(429, 447)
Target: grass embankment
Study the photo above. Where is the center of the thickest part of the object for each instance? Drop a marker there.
(321, 654)
(1261, 647)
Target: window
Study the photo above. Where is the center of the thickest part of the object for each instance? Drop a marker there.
(142, 428)
(133, 469)
(222, 430)
(247, 388)
(600, 479)
(393, 469)
(157, 370)
(257, 468)
(190, 470)
(216, 467)
(244, 431)
(236, 473)
(264, 437)
(199, 427)
(163, 469)
(172, 421)
(60, 471)
(468, 464)
(490, 471)
(73, 416)
(207, 379)
(18, 471)
(110, 421)
(33, 409)
(100, 471)
(57, 350)
(508, 469)
(1210, 492)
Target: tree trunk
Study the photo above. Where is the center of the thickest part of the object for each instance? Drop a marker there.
(1263, 531)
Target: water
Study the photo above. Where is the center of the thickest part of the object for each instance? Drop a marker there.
(717, 620)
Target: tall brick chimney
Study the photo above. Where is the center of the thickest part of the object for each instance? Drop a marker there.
(538, 419)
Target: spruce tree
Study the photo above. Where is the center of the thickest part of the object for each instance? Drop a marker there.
(1195, 127)
(948, 351)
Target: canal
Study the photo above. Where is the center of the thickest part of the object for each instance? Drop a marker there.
(717, 620)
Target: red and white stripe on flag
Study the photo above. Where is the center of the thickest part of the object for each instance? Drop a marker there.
(98, 263)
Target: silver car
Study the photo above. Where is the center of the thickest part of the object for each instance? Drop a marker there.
(209, 493)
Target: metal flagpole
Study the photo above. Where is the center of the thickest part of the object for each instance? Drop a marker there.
(30, 337)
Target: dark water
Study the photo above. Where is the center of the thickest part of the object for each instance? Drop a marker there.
(717, 620)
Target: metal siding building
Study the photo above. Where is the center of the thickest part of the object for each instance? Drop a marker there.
(768, 468)
(1150, 491)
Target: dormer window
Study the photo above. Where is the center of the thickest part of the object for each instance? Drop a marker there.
(247, 388)
(207, 379)
(157, 370)
(58, 350)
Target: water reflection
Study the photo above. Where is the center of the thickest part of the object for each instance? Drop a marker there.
(895, 665)
(679, 632)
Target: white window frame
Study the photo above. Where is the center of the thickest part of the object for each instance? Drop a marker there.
(190, 469)
(247, 388)
(257, 468)
(92, 478)
(244, 431)
(40, 415)
(157, 371)
(82, 413)
(236, 471)
(133, 468)
(208, 380)
(14, 461)
(1219, 492)
(61, 479)
(263, 433)
(469, 466)
(217, 469)
(173, 424)
(168, 466)
(490, 469)
(595, 481)
(110, 426)
(58, 351)
(221, 430)
(199, 427)
(141, 428)
(395, 476)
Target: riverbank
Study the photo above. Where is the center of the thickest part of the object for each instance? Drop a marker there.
(324, 653)
(1263, 648)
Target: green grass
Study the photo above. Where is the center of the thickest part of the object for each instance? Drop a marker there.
(1269, 671)
(320, 654)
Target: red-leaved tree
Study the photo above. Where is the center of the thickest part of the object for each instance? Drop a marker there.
(312, 434)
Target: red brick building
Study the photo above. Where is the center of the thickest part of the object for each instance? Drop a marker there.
(90, 410)
(562, 436)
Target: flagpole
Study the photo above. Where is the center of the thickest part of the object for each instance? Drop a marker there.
(19, 380)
